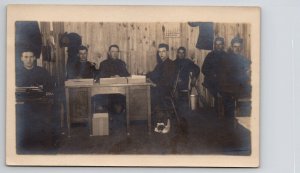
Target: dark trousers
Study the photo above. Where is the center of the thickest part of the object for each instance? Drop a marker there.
(160, 103)
(213, 89)
(231, 94)
(106, 102)
(182, 103)
(35, 126)
(229, 105)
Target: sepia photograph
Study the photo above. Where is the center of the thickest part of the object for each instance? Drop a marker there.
(163, 86)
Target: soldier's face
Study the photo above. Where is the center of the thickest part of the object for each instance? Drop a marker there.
(181, 54)
(83, 55)
(163, 53)
(236, 48)
(28, 59)
(114, 53)
(219, 45)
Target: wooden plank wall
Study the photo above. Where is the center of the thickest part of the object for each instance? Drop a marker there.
(56, 66)
(138, 42)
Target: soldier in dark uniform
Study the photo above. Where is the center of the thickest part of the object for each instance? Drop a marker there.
(187, 70)
(112, 67)
(35, 120)
(211, 68)
(188, 73)
(31, 75)
(82, 68)
(164, 76)
(234, 78)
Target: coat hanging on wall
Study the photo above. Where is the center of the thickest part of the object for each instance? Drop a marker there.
(28, 35)
(206, 35)
(72, 41)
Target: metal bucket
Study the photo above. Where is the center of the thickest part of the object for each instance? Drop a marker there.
(194, 102)
(194, 99)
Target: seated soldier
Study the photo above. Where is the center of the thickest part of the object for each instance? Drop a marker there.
(164, 76)
(112, 67)
(82, 68)
(34, 118)
(31, 75)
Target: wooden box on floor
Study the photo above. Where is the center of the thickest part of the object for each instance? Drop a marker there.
(100, 124)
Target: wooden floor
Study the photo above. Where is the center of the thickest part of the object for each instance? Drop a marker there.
(201, 132)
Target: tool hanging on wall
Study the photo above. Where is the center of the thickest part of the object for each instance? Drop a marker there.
(48, 50)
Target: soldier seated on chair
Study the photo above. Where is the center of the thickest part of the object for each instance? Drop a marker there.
(113, 66)
(33, 116)
(163, 75)
(82, 68)
(32, 75)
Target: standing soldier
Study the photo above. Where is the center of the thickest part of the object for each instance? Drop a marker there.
(211, 68)
(234, 80)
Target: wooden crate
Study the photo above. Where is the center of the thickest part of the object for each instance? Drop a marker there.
(100, 124)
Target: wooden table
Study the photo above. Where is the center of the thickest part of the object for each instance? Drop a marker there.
(125, 89)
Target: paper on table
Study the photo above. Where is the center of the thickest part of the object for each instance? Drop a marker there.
(76, 82)
(137, 79)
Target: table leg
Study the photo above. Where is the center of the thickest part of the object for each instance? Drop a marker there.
(90, 115)
(127, 110)
(149, 110)
(68, 111)
(62, 120)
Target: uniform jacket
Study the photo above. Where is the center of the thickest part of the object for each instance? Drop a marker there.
(185, 67)
(111, 67)
(211, 68)
(164, 75)
(34, 77)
